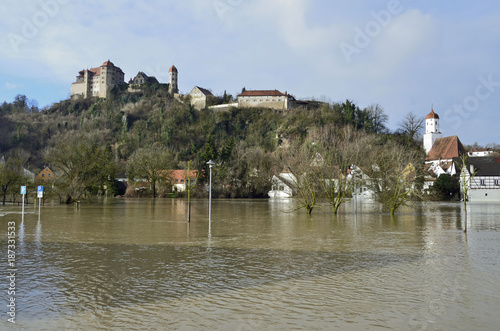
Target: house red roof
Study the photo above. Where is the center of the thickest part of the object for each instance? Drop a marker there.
(181, 176)
(432, 115)
(446, 148)
(173, 69)
(263, 93)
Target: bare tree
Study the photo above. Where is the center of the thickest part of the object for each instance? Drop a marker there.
(377, 118)
(84, 164)
(339, 148)
(190, 185)
(151, 163)
(12, 171)
(412, 126)
(466, 178)
(299, 160)
(394, 174)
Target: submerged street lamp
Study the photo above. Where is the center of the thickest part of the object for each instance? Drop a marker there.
(210, 164)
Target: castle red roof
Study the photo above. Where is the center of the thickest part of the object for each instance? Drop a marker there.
(108, 63)
(173, 69)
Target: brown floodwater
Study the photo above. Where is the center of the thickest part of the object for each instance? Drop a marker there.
(137, 264)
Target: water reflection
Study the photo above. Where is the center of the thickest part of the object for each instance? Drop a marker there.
(138, 264)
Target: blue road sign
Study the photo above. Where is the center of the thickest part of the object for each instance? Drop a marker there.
(23, 189)
(40, 189)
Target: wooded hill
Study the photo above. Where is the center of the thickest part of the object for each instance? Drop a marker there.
(103, 134)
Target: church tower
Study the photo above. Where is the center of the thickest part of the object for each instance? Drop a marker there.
(172, 80)
(431, 130)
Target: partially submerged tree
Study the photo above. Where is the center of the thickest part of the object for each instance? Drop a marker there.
(190, 182)
(151, 164)
(83, 163)
(394, 174)
(466, 177)
(11, 172)
(339, 149)
(301, 161)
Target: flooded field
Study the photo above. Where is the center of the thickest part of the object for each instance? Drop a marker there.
(137, 264)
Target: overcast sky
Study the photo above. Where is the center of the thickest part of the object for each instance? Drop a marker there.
(404, 55)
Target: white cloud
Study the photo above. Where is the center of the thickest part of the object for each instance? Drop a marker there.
(10, 86)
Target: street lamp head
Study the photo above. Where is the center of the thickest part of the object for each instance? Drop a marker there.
(210, 163)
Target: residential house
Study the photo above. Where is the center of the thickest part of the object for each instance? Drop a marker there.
(97, 82)
(45, 176)
(361, 184)
(180, 179)
(282, 185)
(479, 152)
(485, 184)
(266, 98)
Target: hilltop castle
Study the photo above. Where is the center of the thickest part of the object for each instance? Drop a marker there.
(98, 82)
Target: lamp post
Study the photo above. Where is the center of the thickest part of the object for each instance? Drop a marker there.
(210, 164)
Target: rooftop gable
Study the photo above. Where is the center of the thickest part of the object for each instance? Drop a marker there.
(204, 91)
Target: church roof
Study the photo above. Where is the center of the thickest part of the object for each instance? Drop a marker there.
(446, 149)
(432, 115)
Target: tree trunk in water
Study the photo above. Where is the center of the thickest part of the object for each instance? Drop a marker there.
(189, 212)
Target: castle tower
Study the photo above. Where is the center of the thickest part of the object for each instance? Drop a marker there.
(431, 130)
(173, 80)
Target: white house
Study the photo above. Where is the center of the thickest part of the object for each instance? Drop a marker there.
(485, 184)
(282, 185)
(480, 152)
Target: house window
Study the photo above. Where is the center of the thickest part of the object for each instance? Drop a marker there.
(43, 175)
(496, 182)
(482, 182)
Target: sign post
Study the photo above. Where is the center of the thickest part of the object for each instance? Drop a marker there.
(40, 196)
(23, 192)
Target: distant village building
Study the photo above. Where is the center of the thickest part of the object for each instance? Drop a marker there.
(45, 176)
(179, 179)
(480, 152)
(199, 97)
(485, 184)
(266, 98)
(141, 78)
(282, 185)
(97, 82)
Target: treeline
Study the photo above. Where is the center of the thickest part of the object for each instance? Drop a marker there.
(89, 142)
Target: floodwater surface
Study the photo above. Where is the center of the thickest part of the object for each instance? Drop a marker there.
(137, 264)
